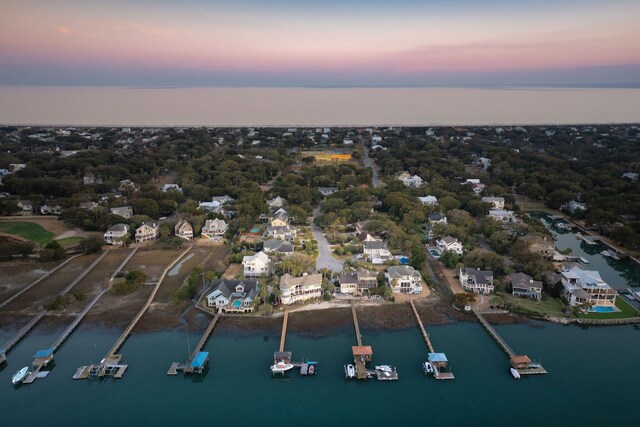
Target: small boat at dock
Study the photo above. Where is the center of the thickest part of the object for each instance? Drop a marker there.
(427, 368)
(515, 374)
(610, 254)
(583, 260)
(19, 376)
(281, 368)
(350, 371)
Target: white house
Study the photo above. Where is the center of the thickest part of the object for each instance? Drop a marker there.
(410, 181)
(147, 232)
(404, 279)
(502, 215)
(497, 202)
(276, 203)
(280, 232)
(586, 287)
(476, 281)
(295, 289)
(376, 251)
(116, 234)
(428, 200)
(256, 265)
(184, 230)
(233, 296)
(26, 207)
(448, 243)
(214, 229)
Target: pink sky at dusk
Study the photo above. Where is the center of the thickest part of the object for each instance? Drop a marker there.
(412, 39)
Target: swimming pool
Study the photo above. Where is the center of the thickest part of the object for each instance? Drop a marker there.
(255, 230)
(435, 253)
(237, 303)
(603, 309)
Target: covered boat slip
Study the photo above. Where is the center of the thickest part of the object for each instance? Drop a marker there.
(199, 363)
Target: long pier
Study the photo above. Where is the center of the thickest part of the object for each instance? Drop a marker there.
(61, 339)
(283, 336)
(421, 326)
(144, 308)
(356, 326)
(188, 368)
(520, 363)
(122, 264)
(22, 332)
(84, 273)
(38, 280)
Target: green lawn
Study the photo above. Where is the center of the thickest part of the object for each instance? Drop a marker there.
(626, 311)
(27, 230)
(548, 306)
(70, 241)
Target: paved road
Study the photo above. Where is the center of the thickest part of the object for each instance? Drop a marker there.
(369, 163)
(325, 260)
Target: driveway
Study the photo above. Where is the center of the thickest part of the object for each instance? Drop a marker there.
(325, 260)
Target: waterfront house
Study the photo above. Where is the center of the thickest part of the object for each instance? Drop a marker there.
(233, 296)
(540, 245)
(404, 279)
(296, 289)
(586, 287)
(26, 207)
(448, 243)
(502, 215)
(376, 251)
(147, 232)
(184, 230)
(214, 229)
(256, 265)
(428, 200)
(523, 285)
(476, 281)
(277, 246)
(496, 202)
(116, 234)
(356, 282)
(125, 212)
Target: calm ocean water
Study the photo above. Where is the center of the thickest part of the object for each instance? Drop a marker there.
(593, 380)
(312, 106)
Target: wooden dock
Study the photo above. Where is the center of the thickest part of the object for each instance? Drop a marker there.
(144, 308)
(187, 367)
(84, 273)
(356, 326)
(521, 363)
(38, 280)
(283, 336)
(421, 326)
(21, 333)
(76, 322)
(122, 264)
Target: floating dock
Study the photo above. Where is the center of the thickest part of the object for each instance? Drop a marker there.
(285, 357)
(437, 362)
(521, 363)
(110, 365)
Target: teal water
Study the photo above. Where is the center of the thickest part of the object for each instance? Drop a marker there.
(593, 380)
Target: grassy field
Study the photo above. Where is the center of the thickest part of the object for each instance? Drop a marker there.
(27, 230)
(70, 241)
(625, 311)
(548, 306)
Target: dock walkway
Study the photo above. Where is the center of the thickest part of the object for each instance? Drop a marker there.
(38, 280)
(201, 343)
(21, 333)
(144, 308)
(76, 322)
(502, 343)
(283, 336)
(421, 326)
(356, 326)
(122, 264)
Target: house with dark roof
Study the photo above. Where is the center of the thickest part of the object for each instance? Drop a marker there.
(448, 243)
(233, 296)
(277, 246)
(476, 281)
(376, 251)
(404, 279)
(523, 285)
(356, 282)
(437, 218)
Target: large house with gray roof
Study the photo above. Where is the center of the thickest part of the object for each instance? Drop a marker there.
(476, 281)
(233, 296)
(404, 279)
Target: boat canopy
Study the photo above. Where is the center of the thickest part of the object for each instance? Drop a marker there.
(200, 359)
(437, 357)
(43, 353)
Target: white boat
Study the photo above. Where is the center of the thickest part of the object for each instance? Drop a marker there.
(583, 260)
(515, 373)
(281, 367)
(427, 368)
(20, 375)
(351, 371)
(384, 368)
(610, 254)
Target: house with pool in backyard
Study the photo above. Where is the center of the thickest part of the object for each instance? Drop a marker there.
(233, 296)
